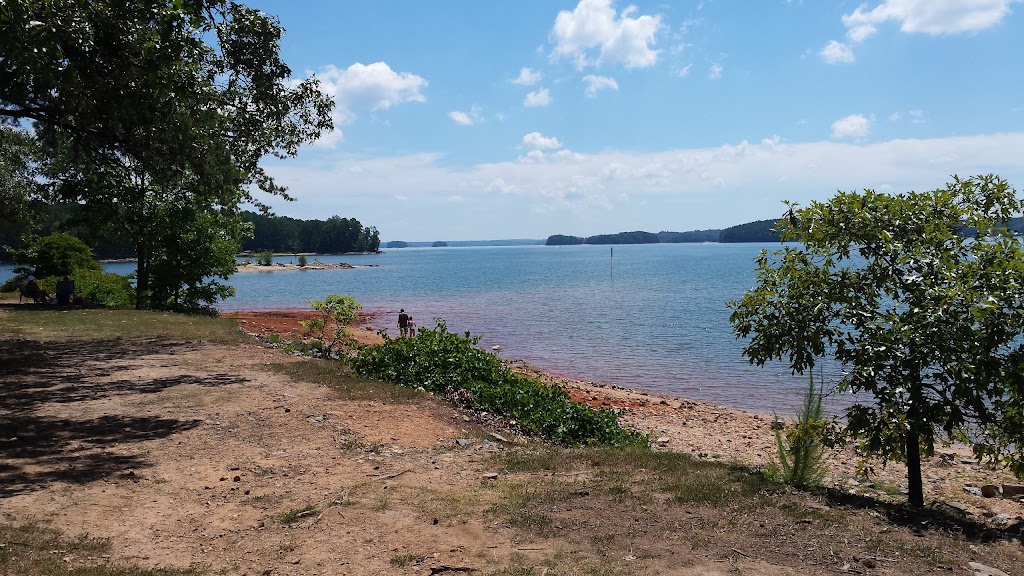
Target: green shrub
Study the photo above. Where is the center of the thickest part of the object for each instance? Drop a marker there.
(302, 260)
(265, 258)
(105, 289)
(801, 452)
(452, 365)
(337, 311)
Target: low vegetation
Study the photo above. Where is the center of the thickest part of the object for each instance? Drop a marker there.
(73, 324)
(453, 366)
(330, 328)
(801, 451)
(30, 549)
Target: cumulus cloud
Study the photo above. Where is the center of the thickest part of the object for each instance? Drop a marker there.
(537, 141)
(597, 83)
(933, 17)
(537, 98)
(527, 77)
(836, 53)
(460, 118)
(473, 116)
(715, 71)
(723, 185)
(363, 88)
(853, 126)
(594, 34)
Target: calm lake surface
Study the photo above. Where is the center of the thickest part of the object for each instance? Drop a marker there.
(653, 317)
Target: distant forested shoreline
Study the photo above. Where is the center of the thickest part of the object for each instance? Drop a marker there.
(285, 234)
(275, 233)
(759, 231)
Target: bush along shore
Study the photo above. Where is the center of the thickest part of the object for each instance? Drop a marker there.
(452, 366)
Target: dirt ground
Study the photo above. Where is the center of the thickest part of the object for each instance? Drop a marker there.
(196, 454)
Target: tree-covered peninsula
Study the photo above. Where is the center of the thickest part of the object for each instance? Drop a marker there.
(760, 231)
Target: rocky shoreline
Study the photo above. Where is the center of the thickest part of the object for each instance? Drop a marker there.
(280, 267)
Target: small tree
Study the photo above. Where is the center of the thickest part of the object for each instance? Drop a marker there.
(919, 298)
(801, 452)
(337, 311)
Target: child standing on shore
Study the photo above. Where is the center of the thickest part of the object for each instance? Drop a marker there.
(412, 327)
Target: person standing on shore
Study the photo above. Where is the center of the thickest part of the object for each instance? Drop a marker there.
(412, 327)
(403, 322)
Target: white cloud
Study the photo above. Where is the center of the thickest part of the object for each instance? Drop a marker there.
(933, 17)
(537, 98)
(853, 126)
(467, 118)
(597, 83)
(363, 88)
(461, 118)
(594, 25)
(836, 53)
(601, 189)
(684, 71)
(537, 141)
(715, 71)
(527, 77)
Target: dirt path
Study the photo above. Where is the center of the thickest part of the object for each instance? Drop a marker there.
(195, 454)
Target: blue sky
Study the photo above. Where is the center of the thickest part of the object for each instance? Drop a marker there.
(521, 119)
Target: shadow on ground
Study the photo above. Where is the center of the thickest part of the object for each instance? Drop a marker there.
(938, 517)
(38, 448)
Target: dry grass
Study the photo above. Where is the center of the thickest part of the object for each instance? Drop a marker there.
(33, 550)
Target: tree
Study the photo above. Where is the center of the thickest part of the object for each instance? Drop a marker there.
(61, 255)
(921, 318)
(148, 108)
(330, 328)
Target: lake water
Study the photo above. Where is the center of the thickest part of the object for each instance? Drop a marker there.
(653, 317)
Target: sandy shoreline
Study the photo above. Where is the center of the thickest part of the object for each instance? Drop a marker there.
(715, 432)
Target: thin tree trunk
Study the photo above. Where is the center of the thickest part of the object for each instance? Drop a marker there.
(141, 275)
(915, 488)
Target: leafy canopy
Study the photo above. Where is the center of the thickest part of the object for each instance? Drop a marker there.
(155, 115)
(924, 319)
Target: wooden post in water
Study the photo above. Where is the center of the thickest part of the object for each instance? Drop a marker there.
(611, 257)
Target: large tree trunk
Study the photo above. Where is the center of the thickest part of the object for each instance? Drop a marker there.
(915, 488)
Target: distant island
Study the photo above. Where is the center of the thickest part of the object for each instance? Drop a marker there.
(439, 244)
(760, 231)
(397, 244)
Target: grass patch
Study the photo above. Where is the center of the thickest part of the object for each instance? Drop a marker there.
(342, 379)
(76, 324)
(294, 515)
(33, 550)
(403, 560)
(623, 477)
